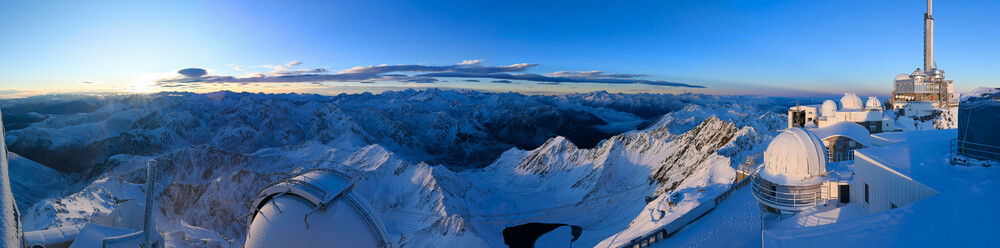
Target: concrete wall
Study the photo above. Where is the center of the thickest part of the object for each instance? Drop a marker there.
(885, 186)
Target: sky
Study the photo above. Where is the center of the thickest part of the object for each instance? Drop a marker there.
(760, 47)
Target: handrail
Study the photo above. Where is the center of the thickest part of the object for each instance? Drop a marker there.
(796, 201)
(973, 150)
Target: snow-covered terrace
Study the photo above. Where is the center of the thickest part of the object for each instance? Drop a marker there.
(964, 213)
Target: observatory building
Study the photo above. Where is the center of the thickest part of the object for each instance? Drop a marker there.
(918, 93)
(793, 177)
(316, 207)
(851, 109)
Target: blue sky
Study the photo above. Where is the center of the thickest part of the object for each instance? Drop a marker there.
(784, 48)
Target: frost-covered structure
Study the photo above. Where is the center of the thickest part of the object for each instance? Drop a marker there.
(868, 114)
(10, 222)
(315, 207)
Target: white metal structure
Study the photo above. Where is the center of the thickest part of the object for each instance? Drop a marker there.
(923, 86)
(317, 208)
(793, 175)
(878, 187)
(10, 222)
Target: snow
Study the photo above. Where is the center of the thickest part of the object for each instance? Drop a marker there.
(817, 216)
(218, 149)
(33, 182)
(699, 189)
(735, 222)
(847, 129)
(93, 235)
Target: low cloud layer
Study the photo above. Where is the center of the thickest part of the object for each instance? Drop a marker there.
(472, 70)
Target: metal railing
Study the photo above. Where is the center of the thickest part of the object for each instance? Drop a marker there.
(797, 198)
(962, 151)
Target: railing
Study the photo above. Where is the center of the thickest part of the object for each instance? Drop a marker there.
(797, 198)
(962, 151)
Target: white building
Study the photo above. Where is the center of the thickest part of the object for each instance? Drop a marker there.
(882, 181)
(851, 109)
(793, 177)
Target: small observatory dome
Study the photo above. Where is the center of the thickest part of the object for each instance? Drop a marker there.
(918, 74)
(902, 76)
(829, 108)
(793, 156)
(873, 103)
(850, 101)
(315, 208)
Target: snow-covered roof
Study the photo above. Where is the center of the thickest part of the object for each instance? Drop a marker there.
(850, 101)
(847, 129)
(962, 214)
(315, 207)
(94, 235)
(793, 157)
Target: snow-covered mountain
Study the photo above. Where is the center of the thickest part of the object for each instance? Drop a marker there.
(418, 154)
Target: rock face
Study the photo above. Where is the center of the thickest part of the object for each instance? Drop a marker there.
(217, 150)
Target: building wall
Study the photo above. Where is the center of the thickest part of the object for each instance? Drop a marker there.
(840, 148)
(885, 186)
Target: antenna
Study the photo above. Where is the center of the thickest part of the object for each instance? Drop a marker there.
(148, 226)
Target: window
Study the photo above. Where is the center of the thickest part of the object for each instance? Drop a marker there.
(866, 192)
(893, 205)
(850, 154)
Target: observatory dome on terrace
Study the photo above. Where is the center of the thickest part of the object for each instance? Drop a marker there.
(793, 173)
(317, 208)
(850, 101)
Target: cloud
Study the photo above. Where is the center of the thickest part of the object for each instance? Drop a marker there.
(592, 74)
(193, 72)
(413, 73)
(549, 80)
(86, 82)
(471, 62)
(501, 81)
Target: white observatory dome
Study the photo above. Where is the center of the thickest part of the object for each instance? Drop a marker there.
(873, 103)
(918, 74)
(902, 76)
(829, 108)
(794, 156)
(315, 208)
(850, 101)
